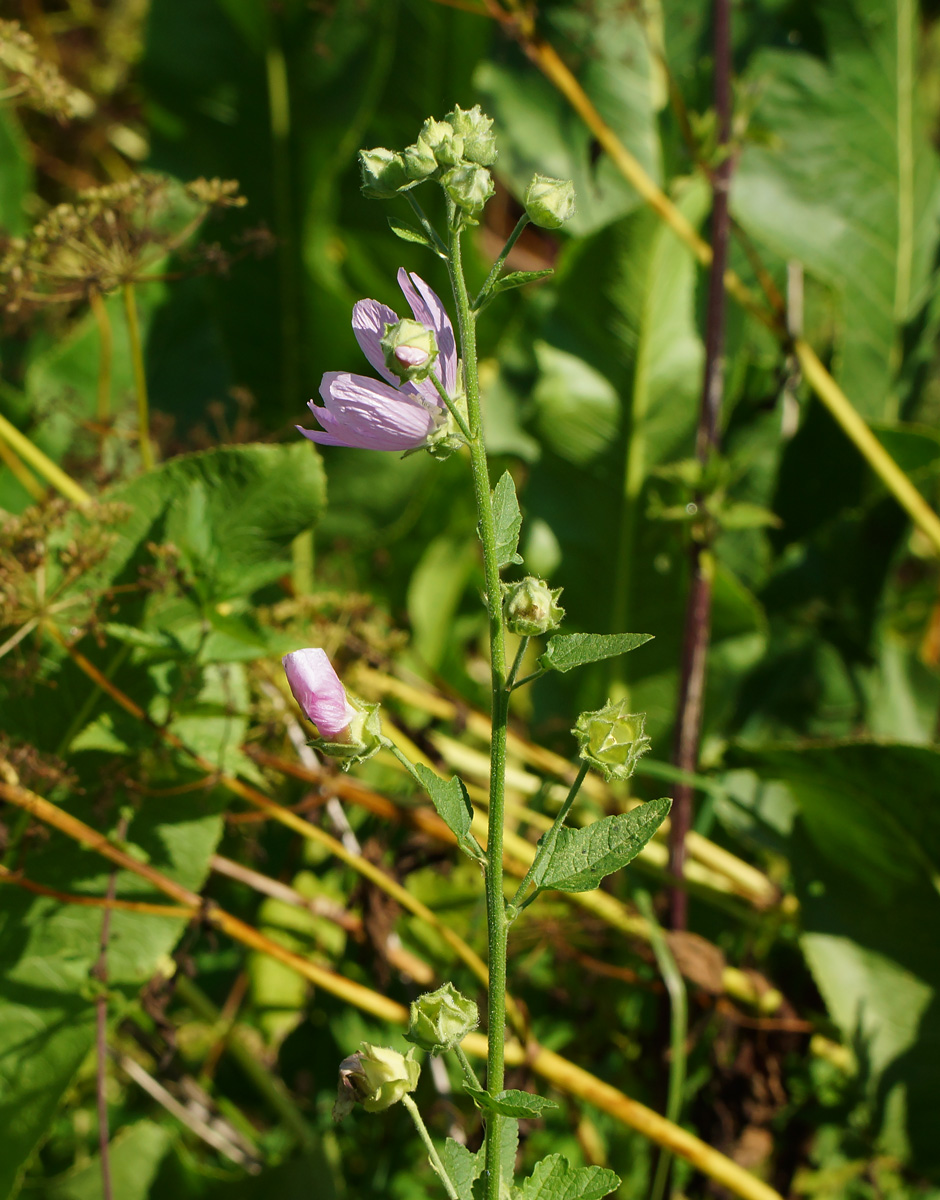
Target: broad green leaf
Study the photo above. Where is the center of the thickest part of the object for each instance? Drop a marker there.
(847, 182)
(569, 650)
(539, 132)
(511, 1103)
(577, 408)
(462, 1167)
(508, 520)
(134, 1156)
(554, 1179)
(435, 590)
(583, 857)
(47, 1010)
(866, 856)
(452, 803)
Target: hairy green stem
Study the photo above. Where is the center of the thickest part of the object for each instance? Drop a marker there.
(468, 1072)
(451, 406)
(429, 1146)
(140, 376)
(497, 921)
(517, 663)
(548, 840)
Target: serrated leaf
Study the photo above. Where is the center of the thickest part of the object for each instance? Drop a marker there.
(554, 1179)
(511, 1103)
(509, 1144)
(450, 800)
(516, 279)
(411, 233)
(566, 651)
(462, 1167)
(583, 857)
(508, 520)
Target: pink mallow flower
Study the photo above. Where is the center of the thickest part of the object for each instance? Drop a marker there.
(370, 415)
(317, 689)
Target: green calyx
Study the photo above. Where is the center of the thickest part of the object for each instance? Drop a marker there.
(531, 607)
(441, 1020)
(612, 740)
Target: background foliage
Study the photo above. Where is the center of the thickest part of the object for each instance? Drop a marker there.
(182, 586)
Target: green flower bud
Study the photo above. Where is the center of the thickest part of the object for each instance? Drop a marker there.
(612, 739)
(443, 141)
(419, 160)
(441, 1020)
(549, 202)
(531, 607)
(476, 129)
(361, 738)
(377, 1077)
(469, 186)
(383, 173)
(410, 349)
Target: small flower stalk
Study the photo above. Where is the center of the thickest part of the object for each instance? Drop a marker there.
(612, 740)
(531, 607)
(348, 729)
(441, 1020)
(376, 1077)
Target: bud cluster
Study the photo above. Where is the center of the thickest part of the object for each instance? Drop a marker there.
(455, 151)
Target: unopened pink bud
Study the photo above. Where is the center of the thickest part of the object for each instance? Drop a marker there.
(317, 689)
(411, 356)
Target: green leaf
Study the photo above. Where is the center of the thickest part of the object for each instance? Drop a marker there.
(411, 233)
(509, 1144)
(462, 1167)
(511, 1103)
(583, 857)
(869, 231)
(47, 1009)
(554, 1179)
(508, 520)
(577, 408)
(569, 650)
(453, 806)
(866, 858)
(516, 279)
(134, 1156)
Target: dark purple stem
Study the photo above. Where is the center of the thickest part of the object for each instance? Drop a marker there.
(100, 972)
(698, 607)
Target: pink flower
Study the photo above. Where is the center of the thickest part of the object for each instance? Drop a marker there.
(371, 415)
(317, 689)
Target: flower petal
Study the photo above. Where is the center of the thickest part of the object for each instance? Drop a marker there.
(428, 309)
(317, 689)
(367, 414)
(369, 319)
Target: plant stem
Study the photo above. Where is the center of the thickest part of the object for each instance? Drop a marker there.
(497, 921)
(517, 663)
(469, 1074)
(451, 406)
(699, 602)
(42, 464)
(105, 356)
(678, 1027)
(429, 1146)
(549, 838)
(140, 377)
(503, 254)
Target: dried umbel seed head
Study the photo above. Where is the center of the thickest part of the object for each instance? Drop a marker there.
(612, 739)
(549, 202)
(441, 1020)
(531, 607)
(376, 1077)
